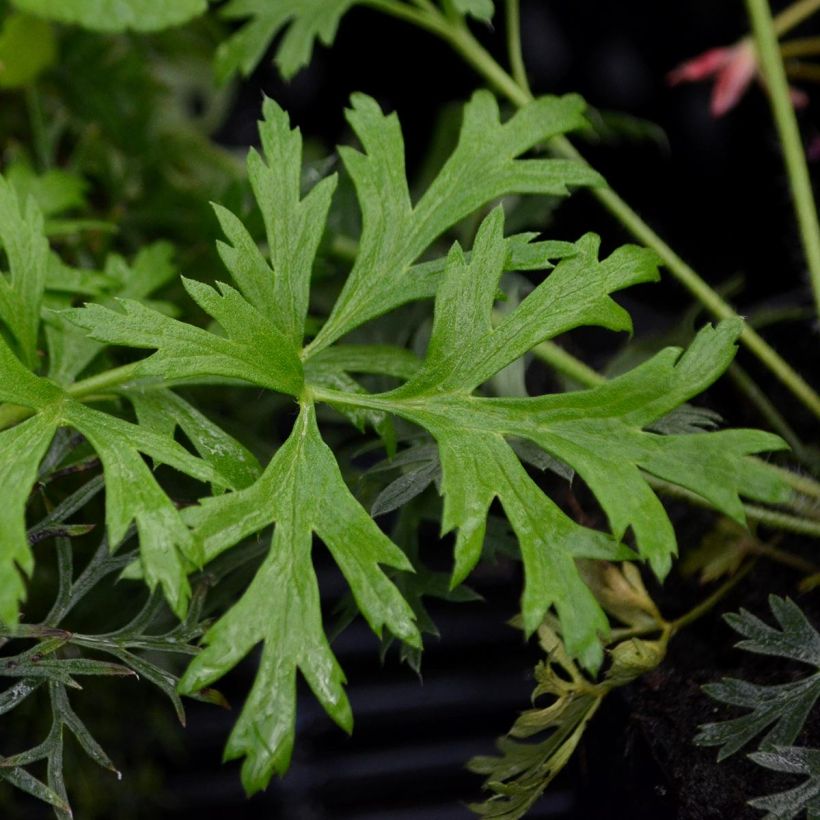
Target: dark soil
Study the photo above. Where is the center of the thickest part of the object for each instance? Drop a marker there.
(639, 755)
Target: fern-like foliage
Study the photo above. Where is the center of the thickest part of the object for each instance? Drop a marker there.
(543, 738)
(49, 668)
(780, 709)
(778, 712)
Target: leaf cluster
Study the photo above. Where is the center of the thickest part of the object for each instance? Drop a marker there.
(778, 712)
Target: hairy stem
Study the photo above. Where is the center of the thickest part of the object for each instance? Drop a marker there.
(771, 64)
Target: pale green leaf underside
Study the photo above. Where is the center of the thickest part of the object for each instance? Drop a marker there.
(117, 15)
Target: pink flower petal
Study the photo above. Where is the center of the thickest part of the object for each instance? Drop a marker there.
(701, 67)
(733, 79)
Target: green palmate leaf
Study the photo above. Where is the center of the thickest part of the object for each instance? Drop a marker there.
(116, 15)
(304, 21)
(781, 709)
(264, 319)
(132, 492)
(302, 492)
(601, 434)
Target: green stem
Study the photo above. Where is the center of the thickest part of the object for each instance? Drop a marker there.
(430, 20)
(771, 64)
(786, 558)
(519, 69)
(800, 47)
(707, 604)
(760, 515)
(795, 14)
(801, 483)
(103, 382)
(766, 408)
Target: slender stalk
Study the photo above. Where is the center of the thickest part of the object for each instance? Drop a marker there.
(761, 515)
(801, 483)
(800, 47)
(795, 14)
(519, 69)
(707, 604)
(706, 295)
(766, 408)
(788, 559)
(803, 72)
(430, 20)
(771, 64)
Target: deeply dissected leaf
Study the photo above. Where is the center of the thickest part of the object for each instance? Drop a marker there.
(116, 15)
(303, 492)
(71, 350)
(304, 21)
(789, 804)
(132, 492)
(601, 434)
(544, 737)
(483, 167)
(779, 710)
